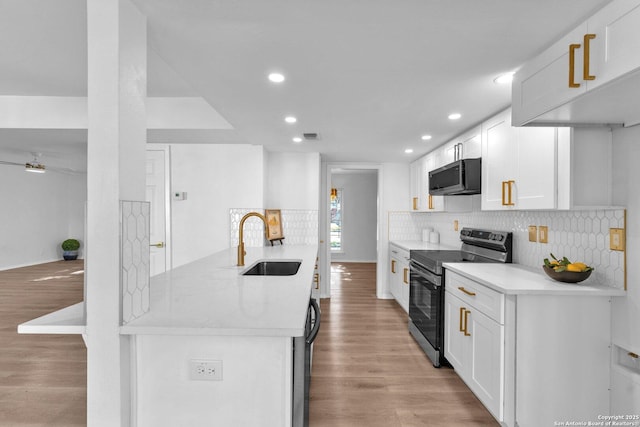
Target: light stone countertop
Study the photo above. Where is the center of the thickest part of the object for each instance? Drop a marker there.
(516, 279)
(211, 297)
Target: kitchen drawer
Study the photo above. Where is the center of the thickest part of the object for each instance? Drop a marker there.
(398, 252)
(478, 296)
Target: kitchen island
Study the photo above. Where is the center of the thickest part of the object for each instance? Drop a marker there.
(208, 312)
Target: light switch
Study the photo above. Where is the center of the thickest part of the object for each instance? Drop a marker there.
(533, 233)
(179, 195)
(543, 234)
(455, 225)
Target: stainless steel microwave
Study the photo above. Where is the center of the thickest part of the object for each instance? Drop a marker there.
(459, 177)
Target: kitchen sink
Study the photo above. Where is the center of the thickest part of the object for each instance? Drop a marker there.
(273, 268)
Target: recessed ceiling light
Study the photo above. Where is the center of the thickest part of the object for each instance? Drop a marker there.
(276, 77)
(290, 119)
(297, 139)
(454, 116)
(504, 79)
(408, 150)
(425, 137)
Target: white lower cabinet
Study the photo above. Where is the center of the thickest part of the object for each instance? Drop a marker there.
(474, 345)
(399, 275)
(532, 359)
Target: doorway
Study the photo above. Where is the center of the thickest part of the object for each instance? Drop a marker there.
(352, 216)
(157, 194)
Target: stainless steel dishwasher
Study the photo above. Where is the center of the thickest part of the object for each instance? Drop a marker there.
(302, 366)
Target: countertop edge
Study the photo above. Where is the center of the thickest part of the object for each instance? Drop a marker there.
(541, 289)
(69, 320)
(196, 331)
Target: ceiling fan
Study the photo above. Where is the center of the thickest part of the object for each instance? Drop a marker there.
(36, 166)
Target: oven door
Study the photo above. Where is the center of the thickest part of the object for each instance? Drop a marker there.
(426, 304)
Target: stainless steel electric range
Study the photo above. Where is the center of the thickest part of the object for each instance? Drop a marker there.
(426, 293)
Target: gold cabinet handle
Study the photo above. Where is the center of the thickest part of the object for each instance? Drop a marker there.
(466, 323)
(158, 245)
(393, 265)
(633, 355)
(587, 53)
(473, 294)
(430, 201)
(316, 280)
(415, 203)
(404, 276)
(462, 310)
(572, 64)
(510, 193)
(507, 194)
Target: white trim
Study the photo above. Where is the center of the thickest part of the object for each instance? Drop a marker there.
(168, 258)
(325, 285)
(341, 250)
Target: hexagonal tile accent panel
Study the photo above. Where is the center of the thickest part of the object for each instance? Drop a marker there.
(579, 235)
(299, 226)
(134, 258)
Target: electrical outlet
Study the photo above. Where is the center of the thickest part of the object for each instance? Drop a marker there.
(205, 370)
(543, 234)
(455, 225)
(533, 233)
(616, 239)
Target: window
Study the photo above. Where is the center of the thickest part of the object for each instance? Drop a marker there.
(336, 220)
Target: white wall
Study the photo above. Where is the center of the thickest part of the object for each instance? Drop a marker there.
(216, 179)
(38, 212)
(292, 181)
(359, 216)
(255, 389)
(626, 311)
(394, 193)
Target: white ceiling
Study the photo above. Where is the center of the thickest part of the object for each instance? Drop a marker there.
(370, 76)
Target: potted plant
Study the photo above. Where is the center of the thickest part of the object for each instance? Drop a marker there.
(70, 249)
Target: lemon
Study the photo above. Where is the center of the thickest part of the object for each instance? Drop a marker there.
(575, 267)
(581, 265)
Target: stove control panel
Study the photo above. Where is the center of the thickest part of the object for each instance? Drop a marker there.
(500, 240)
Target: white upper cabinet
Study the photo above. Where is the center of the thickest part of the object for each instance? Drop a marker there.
(518, 165)
(466, 146)
(616, 41)
(498, 152)
(530, 168)
(415, 184)
(470, 146)
(557, 86)
(420, 200)
(449, 152)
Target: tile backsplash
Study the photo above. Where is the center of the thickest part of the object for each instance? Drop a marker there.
(134, 259)
(579, 235)
(300, 227)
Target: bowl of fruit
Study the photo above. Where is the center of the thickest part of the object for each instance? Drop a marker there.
(566, 271)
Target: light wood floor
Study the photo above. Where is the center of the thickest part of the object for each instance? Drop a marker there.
(42, 377)
(368, 370)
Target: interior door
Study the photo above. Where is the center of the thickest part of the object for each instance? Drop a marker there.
(157, 197)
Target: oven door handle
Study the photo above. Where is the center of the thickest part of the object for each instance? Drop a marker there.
(316, 324)
(431, 278)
